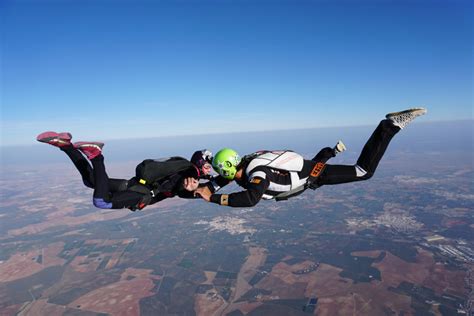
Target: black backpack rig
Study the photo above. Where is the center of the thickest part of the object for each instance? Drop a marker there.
(153, 176)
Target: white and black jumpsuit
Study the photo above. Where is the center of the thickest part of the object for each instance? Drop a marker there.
(266, 183)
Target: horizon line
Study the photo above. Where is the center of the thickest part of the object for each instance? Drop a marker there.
(242, 132)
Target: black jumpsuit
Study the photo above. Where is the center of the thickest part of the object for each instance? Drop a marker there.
(112, 193)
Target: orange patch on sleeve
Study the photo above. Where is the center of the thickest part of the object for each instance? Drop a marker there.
(256, 180)
(318, 168)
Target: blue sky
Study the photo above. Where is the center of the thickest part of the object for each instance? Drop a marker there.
(127, 69)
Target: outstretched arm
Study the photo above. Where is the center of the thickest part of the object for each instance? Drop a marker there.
(250, 197)
(191, 186)
(327, 152)
(324, 155)
(205, 190)
(216, 183)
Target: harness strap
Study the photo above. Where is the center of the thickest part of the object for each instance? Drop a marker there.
(145, 200)
(285, 195)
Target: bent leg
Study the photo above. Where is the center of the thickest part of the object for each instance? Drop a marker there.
(82, 165)
(87, 174)
(368, 161)
(103, 196)
(376, 145)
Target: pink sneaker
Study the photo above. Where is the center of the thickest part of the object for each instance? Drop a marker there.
(55, 139)
(90, 149)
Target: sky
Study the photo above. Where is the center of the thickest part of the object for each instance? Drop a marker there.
(107, 69)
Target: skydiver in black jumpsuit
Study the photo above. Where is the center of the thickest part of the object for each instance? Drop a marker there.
(110, 193)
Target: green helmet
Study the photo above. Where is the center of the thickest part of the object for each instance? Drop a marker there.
(225, 162)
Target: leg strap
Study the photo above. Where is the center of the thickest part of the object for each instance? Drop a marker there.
(146, 199)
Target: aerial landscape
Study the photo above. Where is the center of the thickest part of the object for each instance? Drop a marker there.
(399, 244)
(118, 83)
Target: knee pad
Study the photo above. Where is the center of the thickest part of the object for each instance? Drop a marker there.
(101, 203)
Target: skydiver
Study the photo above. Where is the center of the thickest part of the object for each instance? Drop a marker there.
(112, 193)
(283, 174)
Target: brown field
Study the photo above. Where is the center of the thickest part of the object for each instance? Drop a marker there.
(68, 221)
(85, 264)
(394, 270)
(210, 275)
(23, 264)
(41, 307)
(340, 296)
(138, 273)
(425, 272)
(357, 299)
(205, 306)
(119, 298)
(302, 265)
(442, 280)
(112, 262)
(11, 310)
(244, 307)
(255, 259)
(73, 232)
(283, 283)
(370, 254)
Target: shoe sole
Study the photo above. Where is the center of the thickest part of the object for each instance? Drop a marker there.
(89, 149)
(47, 137)
(96, 145)
(414, 111)
(340, 146)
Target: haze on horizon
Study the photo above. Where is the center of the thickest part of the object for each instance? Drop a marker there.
(442, 137)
